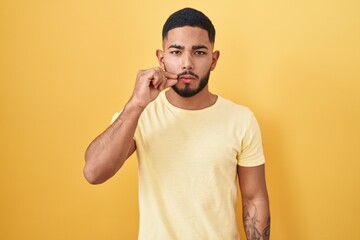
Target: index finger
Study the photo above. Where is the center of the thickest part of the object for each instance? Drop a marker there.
(170, 75)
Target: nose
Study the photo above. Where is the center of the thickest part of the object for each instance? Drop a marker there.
(187, 62)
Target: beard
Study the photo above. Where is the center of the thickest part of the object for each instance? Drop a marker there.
(187, 92)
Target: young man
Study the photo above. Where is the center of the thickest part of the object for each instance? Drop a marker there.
(191, 144)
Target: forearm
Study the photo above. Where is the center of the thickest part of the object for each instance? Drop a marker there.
(108, 152)
(256, 218)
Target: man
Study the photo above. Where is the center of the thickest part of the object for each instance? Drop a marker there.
(192, 145)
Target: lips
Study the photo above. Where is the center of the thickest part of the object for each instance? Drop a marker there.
(186, 78)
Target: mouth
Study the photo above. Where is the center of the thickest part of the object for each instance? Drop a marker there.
(186, 78)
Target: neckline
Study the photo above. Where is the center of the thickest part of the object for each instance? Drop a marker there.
(166, 101)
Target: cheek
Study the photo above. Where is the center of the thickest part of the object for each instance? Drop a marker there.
(171, 65)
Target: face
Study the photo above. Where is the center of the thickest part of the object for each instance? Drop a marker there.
(187, 52)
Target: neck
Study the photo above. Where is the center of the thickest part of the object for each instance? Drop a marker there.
(201, 100)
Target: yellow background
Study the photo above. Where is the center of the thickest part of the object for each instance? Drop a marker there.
(67, 66)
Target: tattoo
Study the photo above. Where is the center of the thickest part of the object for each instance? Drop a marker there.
(266, 231)
(250, 221)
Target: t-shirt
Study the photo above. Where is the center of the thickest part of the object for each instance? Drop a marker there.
(188, 168)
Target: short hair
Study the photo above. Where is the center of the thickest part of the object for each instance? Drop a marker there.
(189, 17)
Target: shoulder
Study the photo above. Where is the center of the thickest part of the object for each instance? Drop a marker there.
(235, 109)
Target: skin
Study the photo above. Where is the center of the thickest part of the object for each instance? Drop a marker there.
(181, 53)
(107, 153)
(256, 210)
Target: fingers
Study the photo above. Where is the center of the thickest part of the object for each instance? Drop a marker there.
(157, 78)
(170, 75)
(149, 83)
(170, 82)
(164, 79)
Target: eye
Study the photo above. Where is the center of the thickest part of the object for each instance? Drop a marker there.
(175, 52)
(200, 53)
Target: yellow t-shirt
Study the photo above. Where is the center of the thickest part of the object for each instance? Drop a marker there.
(187, 168)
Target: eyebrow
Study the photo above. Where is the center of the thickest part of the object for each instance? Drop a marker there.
(176, 46)
(196, 47)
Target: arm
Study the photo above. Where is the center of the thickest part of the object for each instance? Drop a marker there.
(107, 153)
(256, 211)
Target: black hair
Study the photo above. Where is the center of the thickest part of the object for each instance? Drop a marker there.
(189, 17)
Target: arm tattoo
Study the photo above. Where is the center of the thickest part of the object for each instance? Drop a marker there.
(266, 231)
(250, 222)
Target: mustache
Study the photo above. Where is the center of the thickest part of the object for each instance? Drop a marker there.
(188, 73)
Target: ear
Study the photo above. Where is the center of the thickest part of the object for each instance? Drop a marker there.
(160, 56)
(215, 58)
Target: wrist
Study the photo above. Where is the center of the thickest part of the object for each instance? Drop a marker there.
(134, 106)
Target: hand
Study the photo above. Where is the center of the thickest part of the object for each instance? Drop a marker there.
(149, 83)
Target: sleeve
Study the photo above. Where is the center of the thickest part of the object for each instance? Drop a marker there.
(115, 116)
(251, 153)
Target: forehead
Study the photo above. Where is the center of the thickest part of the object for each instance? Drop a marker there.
(187, 36)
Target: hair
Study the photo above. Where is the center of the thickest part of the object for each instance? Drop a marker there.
(189, 17)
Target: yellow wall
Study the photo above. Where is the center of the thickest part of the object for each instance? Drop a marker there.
(66, 66)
